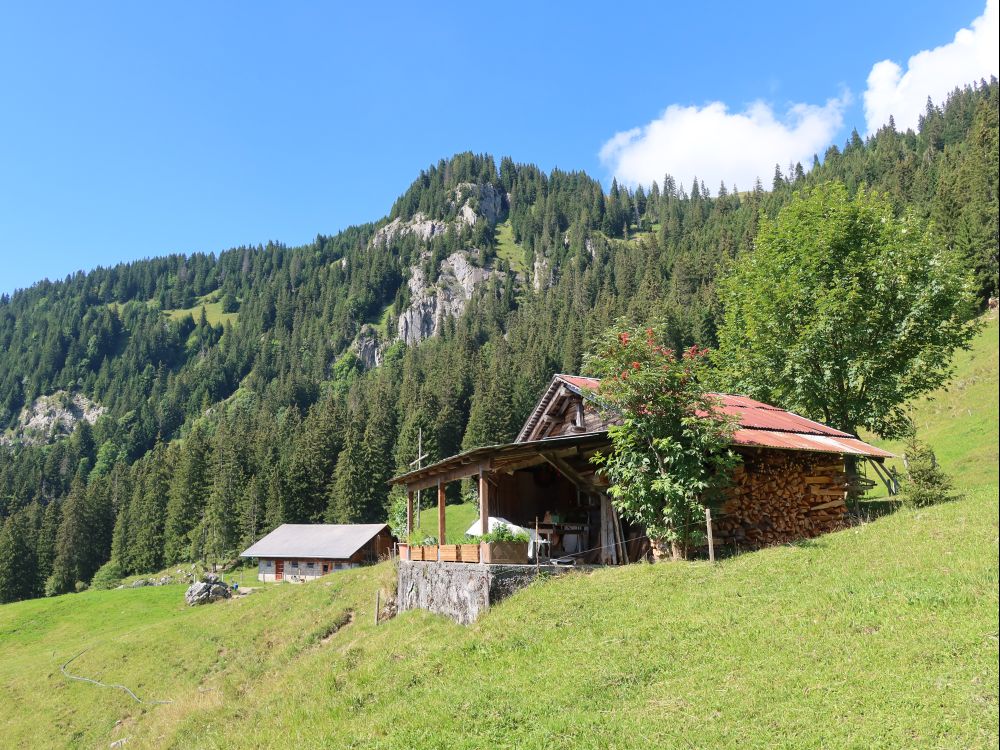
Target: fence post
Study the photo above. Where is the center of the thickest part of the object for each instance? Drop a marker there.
(711, 541)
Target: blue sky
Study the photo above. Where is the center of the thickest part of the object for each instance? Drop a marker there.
(136, 129)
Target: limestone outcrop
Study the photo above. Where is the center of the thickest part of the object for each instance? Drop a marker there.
(368, 347)
(431, 304)
(48, 418)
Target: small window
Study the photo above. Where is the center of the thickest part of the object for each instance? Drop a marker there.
(309, 565)
(293, 563)
(267, 563)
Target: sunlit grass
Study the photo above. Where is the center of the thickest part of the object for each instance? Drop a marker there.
(508, 250)
(880, 636)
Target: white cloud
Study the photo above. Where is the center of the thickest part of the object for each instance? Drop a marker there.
(970, 56)
(716, 145)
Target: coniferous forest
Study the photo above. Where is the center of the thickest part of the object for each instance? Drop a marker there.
(233, 391)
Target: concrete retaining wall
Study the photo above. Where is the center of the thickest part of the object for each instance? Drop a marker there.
(462, 591)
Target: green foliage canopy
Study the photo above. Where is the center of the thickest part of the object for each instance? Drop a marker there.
(844, 311)
(670, 448)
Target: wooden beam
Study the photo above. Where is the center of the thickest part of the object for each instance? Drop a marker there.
(524, 463)
(569, 472)
(409, 513)
(449, 475)
(441, 528)
(484, 503)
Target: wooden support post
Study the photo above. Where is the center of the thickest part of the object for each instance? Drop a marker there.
(409, 514)
(536, 546)
(378, 603)
(441, 528)
(484, 503)
(711, 541)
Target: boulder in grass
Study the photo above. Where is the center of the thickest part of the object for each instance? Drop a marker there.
(206, 592)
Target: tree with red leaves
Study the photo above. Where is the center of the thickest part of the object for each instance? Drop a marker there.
(669, 443)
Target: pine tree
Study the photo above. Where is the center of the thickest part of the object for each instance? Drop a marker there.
(74, 559)
(46, 545)
(189, 489)
(149, 504)
(18, 559)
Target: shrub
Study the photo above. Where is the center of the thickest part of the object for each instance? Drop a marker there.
(924, 483)
(108, 576)
(422, 539)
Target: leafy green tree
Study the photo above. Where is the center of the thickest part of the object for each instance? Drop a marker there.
(844, 311)
(669, 444)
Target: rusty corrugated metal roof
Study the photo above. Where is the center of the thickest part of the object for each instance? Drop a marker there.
(756, 415)
(799, 441)
(762, 425)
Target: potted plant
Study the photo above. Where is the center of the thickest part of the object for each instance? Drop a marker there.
(448, 553)
(502, 545)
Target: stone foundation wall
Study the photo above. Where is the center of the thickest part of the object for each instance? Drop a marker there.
(462, 591)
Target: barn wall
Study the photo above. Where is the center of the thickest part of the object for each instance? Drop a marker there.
(567, 422)
(300, 571)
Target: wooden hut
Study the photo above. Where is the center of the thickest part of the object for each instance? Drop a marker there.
(792, 483)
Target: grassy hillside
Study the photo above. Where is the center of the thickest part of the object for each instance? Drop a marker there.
(457, 520)
(213, 311)
(881, 636)
(960, 422)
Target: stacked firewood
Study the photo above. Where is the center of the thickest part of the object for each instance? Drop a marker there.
(780, 496)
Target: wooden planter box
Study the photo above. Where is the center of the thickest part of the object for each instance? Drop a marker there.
(510, 553)
(469, 553)
(403, 550)
(449, 553)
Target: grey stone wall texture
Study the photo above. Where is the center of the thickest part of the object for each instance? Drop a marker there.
(462, 591)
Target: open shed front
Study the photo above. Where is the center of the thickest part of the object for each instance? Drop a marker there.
(548, 486)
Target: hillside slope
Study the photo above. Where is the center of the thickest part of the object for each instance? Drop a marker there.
(884, 635)
(960, 421)
(267, 385)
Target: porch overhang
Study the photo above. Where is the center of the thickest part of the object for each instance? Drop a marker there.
(508, 457)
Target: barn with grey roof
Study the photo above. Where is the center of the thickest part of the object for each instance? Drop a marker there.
(301, 551)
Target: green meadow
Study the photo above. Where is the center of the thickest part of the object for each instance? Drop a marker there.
(884, 635)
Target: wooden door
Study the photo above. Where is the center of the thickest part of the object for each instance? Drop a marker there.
(279, 569)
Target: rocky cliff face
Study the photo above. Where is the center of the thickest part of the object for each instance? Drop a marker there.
(368, 347)
(431, 304)
(472, 203)
(477, 201)
(51, 417)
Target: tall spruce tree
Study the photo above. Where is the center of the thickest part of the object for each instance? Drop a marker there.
(18, 559)
(189, 489)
